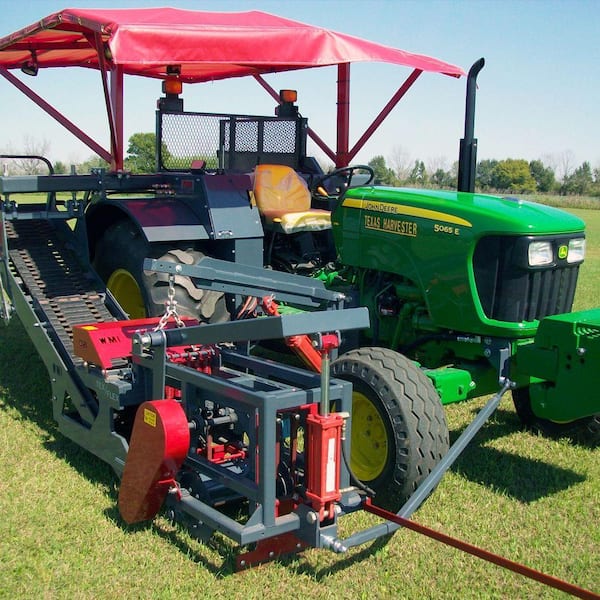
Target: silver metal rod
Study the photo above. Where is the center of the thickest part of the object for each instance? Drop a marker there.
(429, 483)
(325, 378)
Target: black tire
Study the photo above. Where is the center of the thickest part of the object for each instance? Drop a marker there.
(585, 430)
(118, 260)
(206, 305)
(399, 430)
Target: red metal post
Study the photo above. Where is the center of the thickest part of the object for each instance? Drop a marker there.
(116, 101)
(55, 114)
(343, 115)
(111, 100)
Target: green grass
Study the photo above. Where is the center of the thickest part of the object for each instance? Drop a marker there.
(568, 202)
(526, 497)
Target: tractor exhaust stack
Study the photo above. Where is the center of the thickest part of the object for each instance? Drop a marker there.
(467, 159)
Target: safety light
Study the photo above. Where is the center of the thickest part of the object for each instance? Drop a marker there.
(172, 86)
(576, 251)
(540, 253)
(288, 95)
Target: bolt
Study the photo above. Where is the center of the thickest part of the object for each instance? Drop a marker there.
(178, 268)
(312, 517)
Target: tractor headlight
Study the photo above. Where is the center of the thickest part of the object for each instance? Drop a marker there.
(540, 253)
(576, 251)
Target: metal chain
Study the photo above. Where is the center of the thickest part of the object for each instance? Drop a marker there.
(170, 308)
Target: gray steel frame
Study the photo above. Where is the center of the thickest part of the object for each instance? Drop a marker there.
(262, 390)
(270, 389)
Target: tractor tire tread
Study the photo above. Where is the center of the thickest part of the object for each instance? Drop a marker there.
(415, 414)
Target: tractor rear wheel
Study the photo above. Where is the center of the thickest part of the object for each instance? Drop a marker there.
(399, 430)
(587, 429)
(119, 258)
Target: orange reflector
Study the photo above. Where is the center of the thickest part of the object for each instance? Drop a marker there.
(172, 86)
(288, 95)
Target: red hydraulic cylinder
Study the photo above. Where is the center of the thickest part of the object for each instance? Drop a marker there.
(324, 454)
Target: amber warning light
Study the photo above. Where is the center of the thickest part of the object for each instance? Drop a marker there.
(288, 95)
(286, 108)
(172, 86)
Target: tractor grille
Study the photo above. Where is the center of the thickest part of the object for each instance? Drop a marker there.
(232, 142)
(509, 290)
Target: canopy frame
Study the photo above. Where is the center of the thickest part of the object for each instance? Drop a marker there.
(90, 38)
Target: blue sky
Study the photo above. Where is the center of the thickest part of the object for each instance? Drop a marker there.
(538, 93)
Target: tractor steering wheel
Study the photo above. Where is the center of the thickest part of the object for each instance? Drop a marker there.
(344, 176)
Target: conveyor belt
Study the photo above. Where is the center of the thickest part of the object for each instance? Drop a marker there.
(52, 276)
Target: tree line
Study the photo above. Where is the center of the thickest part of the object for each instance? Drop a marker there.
(555, 175)
(508, 175)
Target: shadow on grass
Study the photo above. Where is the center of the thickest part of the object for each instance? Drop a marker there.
(197, 552)
(520, 477)
(24, 386)
(343, 561)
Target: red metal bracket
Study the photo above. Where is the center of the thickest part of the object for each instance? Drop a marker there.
(101, 343)
(270, 549)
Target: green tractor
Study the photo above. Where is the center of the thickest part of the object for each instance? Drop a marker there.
(465, 291)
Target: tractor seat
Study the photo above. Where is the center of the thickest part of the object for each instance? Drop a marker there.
(283, 200)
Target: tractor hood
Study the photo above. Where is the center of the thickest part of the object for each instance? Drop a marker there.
(481, 213)
(466, 254)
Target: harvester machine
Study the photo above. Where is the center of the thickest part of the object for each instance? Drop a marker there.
(154, 298)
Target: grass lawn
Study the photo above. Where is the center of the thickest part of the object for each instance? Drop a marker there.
(526, 497)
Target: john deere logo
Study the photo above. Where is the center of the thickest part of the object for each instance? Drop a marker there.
(563, 251)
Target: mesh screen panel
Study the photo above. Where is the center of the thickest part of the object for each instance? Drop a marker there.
(226, 141)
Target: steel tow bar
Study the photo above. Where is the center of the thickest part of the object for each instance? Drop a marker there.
(395, 521)
(429, 483)
(501, 561)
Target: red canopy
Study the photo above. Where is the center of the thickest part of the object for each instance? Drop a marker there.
(206, 45)
(197, 46)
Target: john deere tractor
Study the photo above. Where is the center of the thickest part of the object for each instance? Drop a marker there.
(464, 290)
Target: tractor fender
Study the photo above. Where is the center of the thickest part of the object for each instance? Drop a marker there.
(160, 220)
(217, 207)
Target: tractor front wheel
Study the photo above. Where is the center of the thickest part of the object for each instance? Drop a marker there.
(399, 430)
(587, 429)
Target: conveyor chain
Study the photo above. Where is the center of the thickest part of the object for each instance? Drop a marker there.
(53, 277)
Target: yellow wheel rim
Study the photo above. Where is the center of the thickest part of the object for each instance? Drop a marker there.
(126, 290)
(369, 439)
